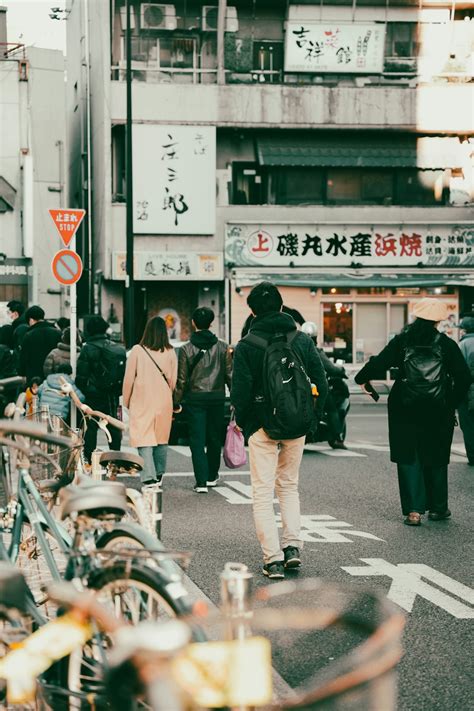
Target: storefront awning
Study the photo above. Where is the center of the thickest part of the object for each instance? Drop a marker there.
(354, 280)
(347, 152)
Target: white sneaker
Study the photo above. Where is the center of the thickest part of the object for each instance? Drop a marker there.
(213, 483)
(200, 489)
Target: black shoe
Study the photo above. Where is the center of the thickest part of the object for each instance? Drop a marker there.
(213, 482)
(159, 478)
(439, 516)
(292, 557)
(275, 570)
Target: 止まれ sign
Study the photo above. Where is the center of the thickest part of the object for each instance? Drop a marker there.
(174, 179)
(333, 47)
(275, 245)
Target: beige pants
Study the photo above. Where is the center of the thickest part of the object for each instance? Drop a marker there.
(274, 467)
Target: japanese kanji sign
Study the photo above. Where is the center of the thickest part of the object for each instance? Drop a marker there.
(174, 179)
(316, 47)
(345, 245)
(151, 266)
(67, 222)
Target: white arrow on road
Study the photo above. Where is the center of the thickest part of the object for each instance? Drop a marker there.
(407, 583)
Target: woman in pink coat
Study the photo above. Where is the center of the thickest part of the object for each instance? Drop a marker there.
(150, 378)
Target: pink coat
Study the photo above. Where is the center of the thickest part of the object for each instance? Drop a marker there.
(147, 396)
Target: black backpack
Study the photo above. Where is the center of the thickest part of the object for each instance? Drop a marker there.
(288, 403)
(110, 370)
(425, 381)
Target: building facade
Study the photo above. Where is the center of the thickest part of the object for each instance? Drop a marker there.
(325, 146)
(32, 171)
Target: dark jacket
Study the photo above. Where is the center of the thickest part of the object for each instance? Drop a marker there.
(426, 432)
(206, 380)
(467, 349)
(247, 377)
(20, 328)
(38, 341)
(7, 362)
(60, 355)
(88, 365)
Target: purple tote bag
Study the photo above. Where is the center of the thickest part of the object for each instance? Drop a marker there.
(234, 447)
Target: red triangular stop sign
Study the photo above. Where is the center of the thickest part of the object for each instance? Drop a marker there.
(67, 221)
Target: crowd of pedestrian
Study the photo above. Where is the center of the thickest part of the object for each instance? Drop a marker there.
(278, 383)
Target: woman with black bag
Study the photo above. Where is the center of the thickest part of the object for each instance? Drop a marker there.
(432, 380)
(150, 378)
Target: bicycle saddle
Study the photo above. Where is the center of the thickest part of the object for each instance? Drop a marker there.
(14, 591)
(96, 499)
(126, 461)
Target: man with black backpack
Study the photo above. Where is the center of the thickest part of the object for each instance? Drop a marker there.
(100, 373)
(204, 369)
(275, 370)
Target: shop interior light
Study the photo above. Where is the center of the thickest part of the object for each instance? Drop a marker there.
(313, 291)
(333, 290)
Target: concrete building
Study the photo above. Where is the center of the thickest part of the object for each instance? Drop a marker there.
(32, 170)
(326, 146)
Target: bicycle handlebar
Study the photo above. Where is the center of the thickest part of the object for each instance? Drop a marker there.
(88, 411)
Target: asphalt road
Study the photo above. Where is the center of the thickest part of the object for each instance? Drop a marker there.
(352, 524)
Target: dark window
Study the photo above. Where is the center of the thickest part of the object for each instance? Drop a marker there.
(421, 187)
(401, 39)
(296, 186)
(118, 163)
(268, 59)
(247, 184)
(353, 185)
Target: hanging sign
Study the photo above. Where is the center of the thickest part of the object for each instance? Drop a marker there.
(67, 221)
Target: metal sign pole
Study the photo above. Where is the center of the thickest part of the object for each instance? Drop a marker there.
(73, 332)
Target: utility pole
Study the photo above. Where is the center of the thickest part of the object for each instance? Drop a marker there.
(221, 20)
(129, 279)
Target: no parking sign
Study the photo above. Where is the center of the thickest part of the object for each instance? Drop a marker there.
(67, 267)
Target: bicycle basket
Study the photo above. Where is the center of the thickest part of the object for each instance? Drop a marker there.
(66, 457)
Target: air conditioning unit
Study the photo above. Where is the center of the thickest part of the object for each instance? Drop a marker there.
(157, 17)
(209, 19)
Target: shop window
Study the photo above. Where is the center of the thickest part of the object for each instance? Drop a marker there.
(118, 163)
(437, 290)
(296, 186)
(371, 290)
(268, 60)
(247, 184)
(401, 39)
(351, 185)
(338, 325)
(407, 291)
(421, 187)
(335, 290)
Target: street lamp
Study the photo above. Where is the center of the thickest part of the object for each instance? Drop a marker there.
(129, 279)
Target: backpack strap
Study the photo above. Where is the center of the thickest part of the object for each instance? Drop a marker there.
(263, 343)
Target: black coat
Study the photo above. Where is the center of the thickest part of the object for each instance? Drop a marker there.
(20, 328)
(248, 368)
(7, 362)
(426, 432)
(37, 342)
(89, 365)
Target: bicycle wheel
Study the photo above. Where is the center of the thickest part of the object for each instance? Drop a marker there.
(135, 593)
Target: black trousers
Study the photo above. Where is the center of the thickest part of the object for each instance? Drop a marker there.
(423, 488)
(108, 405)
(466, 420)
(205, 423)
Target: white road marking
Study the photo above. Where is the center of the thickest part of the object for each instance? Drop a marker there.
(329, 452)
(185, 451)
(407, 583)
(321, 528)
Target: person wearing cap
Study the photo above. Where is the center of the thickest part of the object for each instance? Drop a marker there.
(204, 370)
(421, 429)
(466, 407)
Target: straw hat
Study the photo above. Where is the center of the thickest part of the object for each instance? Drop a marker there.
(431, 310)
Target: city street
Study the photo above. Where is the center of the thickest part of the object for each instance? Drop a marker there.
(354, 534)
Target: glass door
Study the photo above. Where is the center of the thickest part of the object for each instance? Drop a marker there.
(338, 330)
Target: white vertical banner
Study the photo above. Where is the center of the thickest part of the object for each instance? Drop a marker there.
(332, 47)
(174, 179)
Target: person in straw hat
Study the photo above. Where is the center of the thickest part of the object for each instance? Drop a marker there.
(432, 380)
